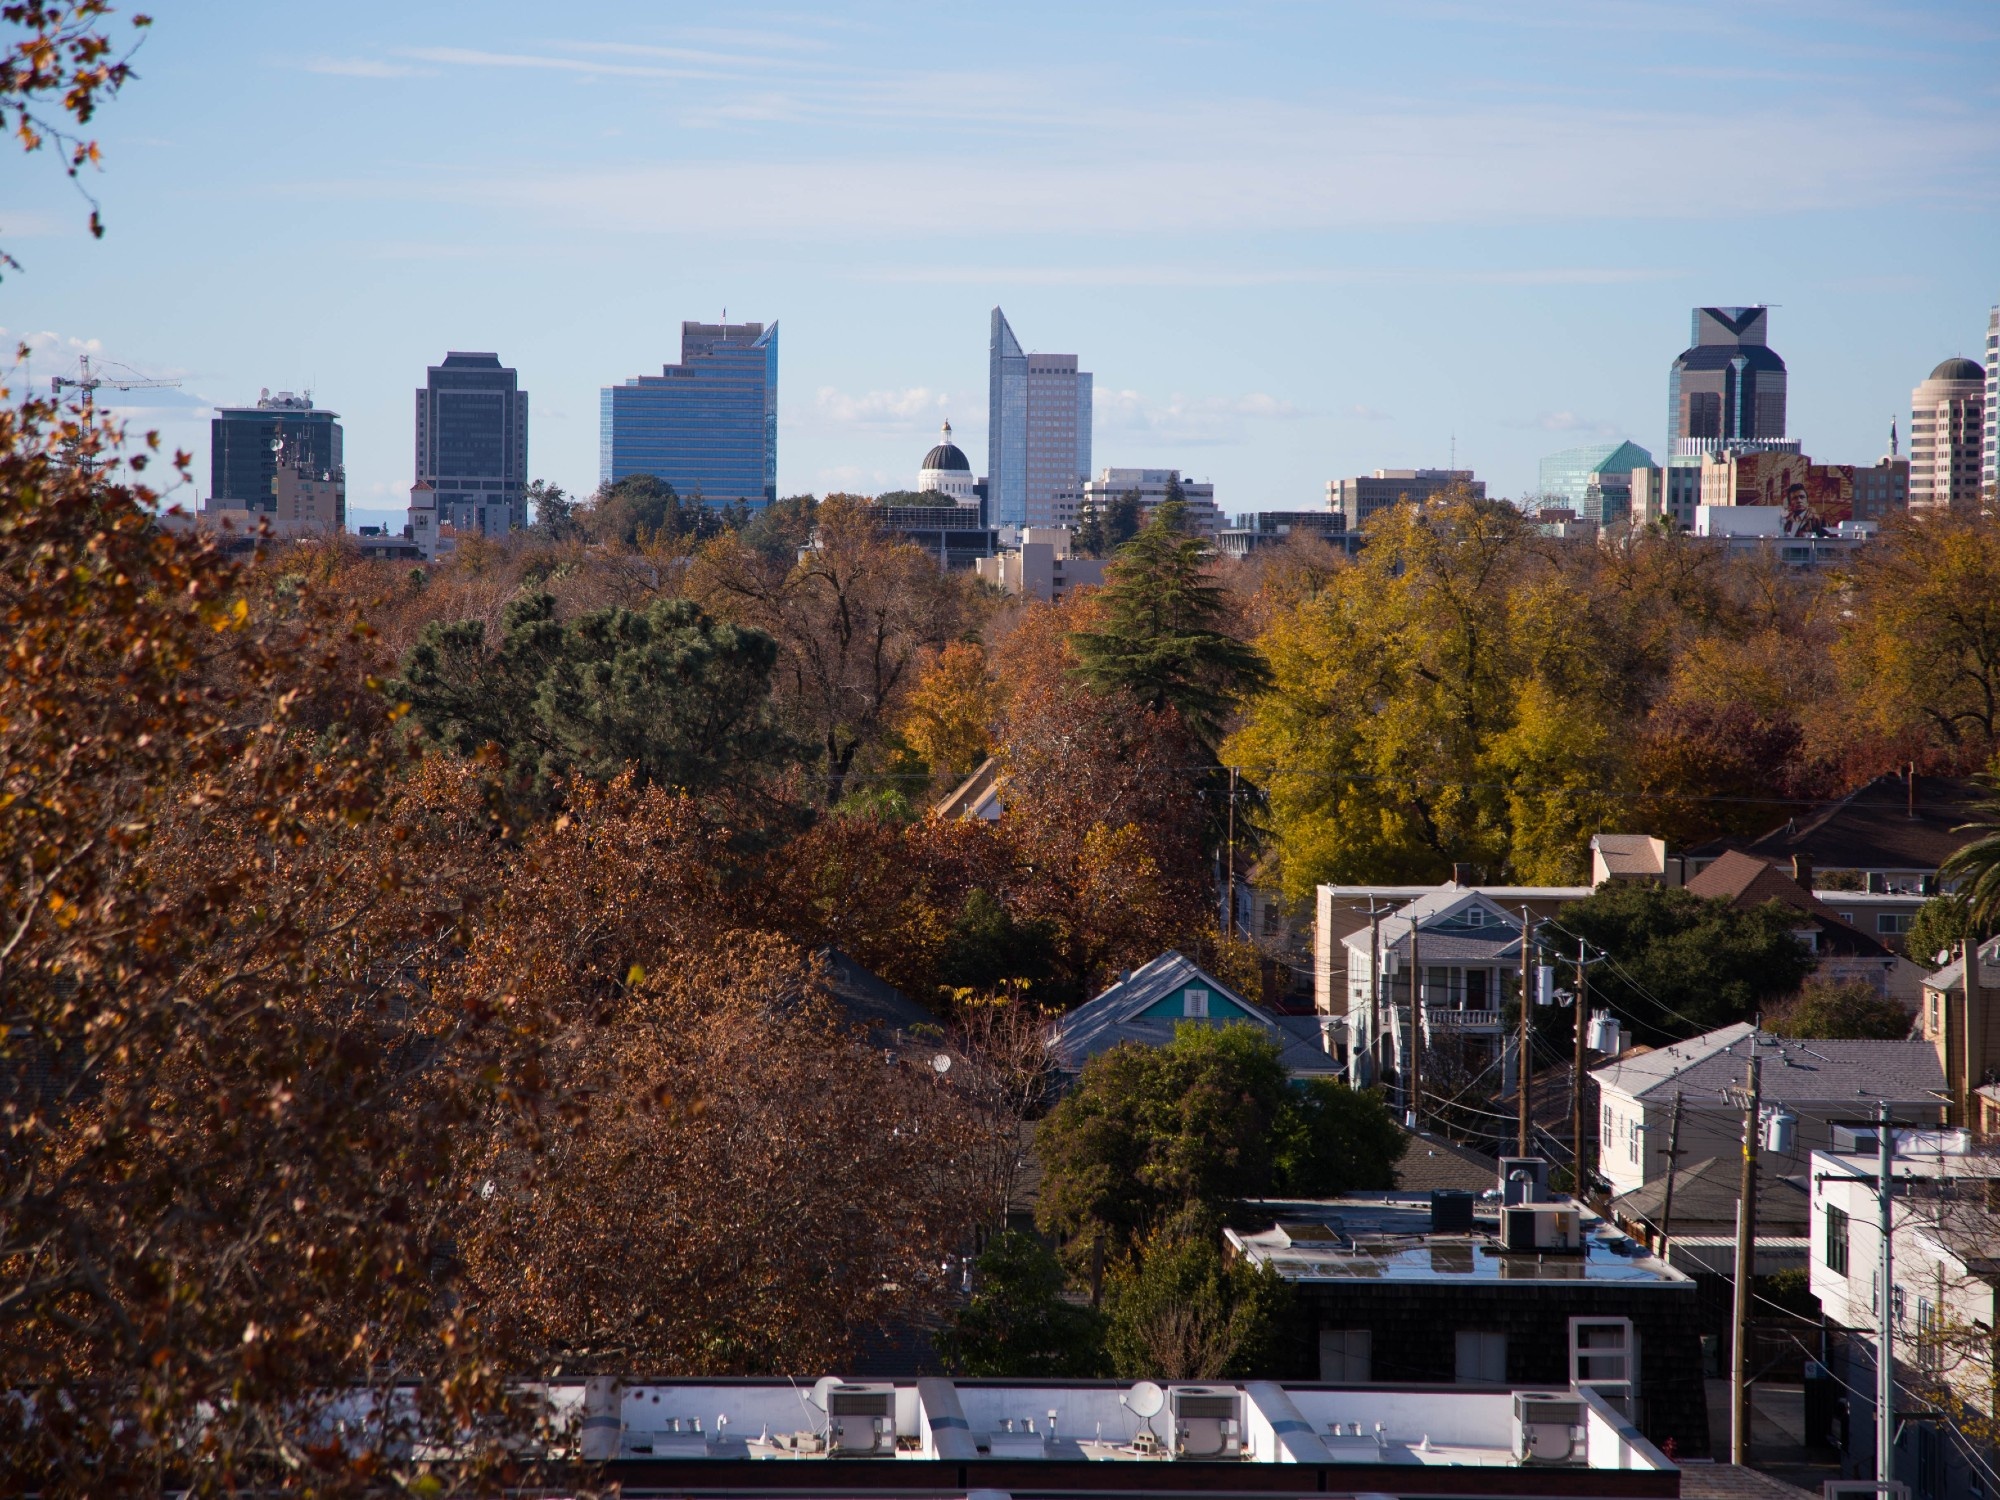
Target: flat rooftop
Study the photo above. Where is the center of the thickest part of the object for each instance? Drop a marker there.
(1386, 1237)
(938, 1437)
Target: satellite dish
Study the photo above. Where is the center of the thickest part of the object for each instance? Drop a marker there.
(821, 1387)
(1146, 1399)
(941, 1063)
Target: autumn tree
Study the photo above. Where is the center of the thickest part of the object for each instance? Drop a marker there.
(1919, 646)
(1855, 1010)
(950, 716)
(227, 1110)
(1181, 1312)
(856, 616)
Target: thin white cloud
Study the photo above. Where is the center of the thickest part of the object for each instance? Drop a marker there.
(1362, 412)
(878, 408)
(1186, 419)
(364, 67)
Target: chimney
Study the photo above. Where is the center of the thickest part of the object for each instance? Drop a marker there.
(1461, 874)
(1802, 871)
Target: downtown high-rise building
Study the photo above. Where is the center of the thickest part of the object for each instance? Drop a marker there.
(472, 446)
(1947, 428)
(1728, 387)
(248, 444)
(708, 426)
(1989, 463)
(1037, 433)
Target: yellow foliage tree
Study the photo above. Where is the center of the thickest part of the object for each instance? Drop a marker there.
(950, 715)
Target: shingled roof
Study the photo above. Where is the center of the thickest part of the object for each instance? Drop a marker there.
(1884, 825)
(1816, 1071)
(1748, 881)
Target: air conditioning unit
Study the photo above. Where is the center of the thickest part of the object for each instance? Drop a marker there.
(1516, 1188)
(1206, 1424)
(1548, 1429)
(860, 1421)
(1541, 1229)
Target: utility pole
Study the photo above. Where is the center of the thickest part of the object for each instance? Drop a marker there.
(1524, 1126)
(1415, 1091)
(1576, 1073)
(1673, 1165)
(1885, 1322)
(1746, 1240)
(1374, 992)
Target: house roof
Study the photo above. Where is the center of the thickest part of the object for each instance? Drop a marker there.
(1444, 935)
(1431, 1163)
(1952, 975)
(1630, 853)
(867, 1000)
(970, 798)
(1705, 1192)
(1871, 828)
(1747, 881)
(1115, 1016)
(1819, 1070)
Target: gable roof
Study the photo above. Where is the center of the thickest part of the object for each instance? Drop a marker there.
(1431, 1162)
(867, 1000)
(1443, 937)
(1871, 828)
(1952, 975)
(978, 796)
(1116, 1016)
(1819, 1070)
(1746, 881)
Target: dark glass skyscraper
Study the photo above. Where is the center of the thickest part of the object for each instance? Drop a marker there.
(1728, 387)
(244, 442)
(472, 444)
(708, 426)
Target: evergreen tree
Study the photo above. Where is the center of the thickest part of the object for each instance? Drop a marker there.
(1162, 638)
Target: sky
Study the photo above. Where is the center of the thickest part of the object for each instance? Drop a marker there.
(1293, 241)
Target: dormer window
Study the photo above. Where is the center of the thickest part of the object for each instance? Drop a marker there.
(1475, 916)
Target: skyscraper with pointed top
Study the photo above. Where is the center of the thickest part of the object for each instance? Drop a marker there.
(1038, 409)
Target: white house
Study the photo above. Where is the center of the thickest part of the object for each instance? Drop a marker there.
(1823, 1083)
(1941, 1304)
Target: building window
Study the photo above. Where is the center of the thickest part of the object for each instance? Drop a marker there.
(1482, 1358)
(1836, 1240)
(1930, 1336)
(1893, 923)
(1194, 1004)
(1271, 920)
(1345, 1355)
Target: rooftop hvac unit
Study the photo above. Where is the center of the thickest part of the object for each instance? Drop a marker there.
(1451, 1212)
(1541, 1229)
(860, 1421)
(1205, 1422)
(1548, 1429)
(1534, 1189)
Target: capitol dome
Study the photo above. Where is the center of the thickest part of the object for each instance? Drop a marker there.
(946, 471)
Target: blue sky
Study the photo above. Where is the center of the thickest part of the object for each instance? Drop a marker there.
(1293, 241)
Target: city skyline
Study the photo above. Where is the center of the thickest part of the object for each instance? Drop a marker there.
(1475, 239)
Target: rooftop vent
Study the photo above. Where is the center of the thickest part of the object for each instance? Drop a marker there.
(1548, 1429)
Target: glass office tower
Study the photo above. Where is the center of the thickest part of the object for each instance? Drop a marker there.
(244, 441)
(1594, 481)
(472, 443)
(1728, 387)
(708, 426)
(1037, 434)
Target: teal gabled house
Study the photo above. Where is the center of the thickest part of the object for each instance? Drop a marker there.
(1146, 1005)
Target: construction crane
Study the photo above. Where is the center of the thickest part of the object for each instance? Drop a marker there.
(89, 383)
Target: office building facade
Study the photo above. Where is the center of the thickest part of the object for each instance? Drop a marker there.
(472, 444)
(1037, 433)
(708, 426)
(1728, 386)
(1989, 467)
(249, 444)
(1361, 497)
(1947, 429)
(1153, 488)
(1594, 482)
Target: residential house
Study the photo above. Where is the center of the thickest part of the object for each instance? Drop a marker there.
(1939, 1308)
(1962, 1022)
(1843, 952)
(1342, 909)
(1461, 951)
(1823, 1083)
(1422, 1287)
(978, 796)
(1146, 1006)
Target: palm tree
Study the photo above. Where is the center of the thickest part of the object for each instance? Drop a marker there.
(1977, 866)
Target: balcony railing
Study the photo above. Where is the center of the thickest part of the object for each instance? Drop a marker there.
(1438, 1018)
